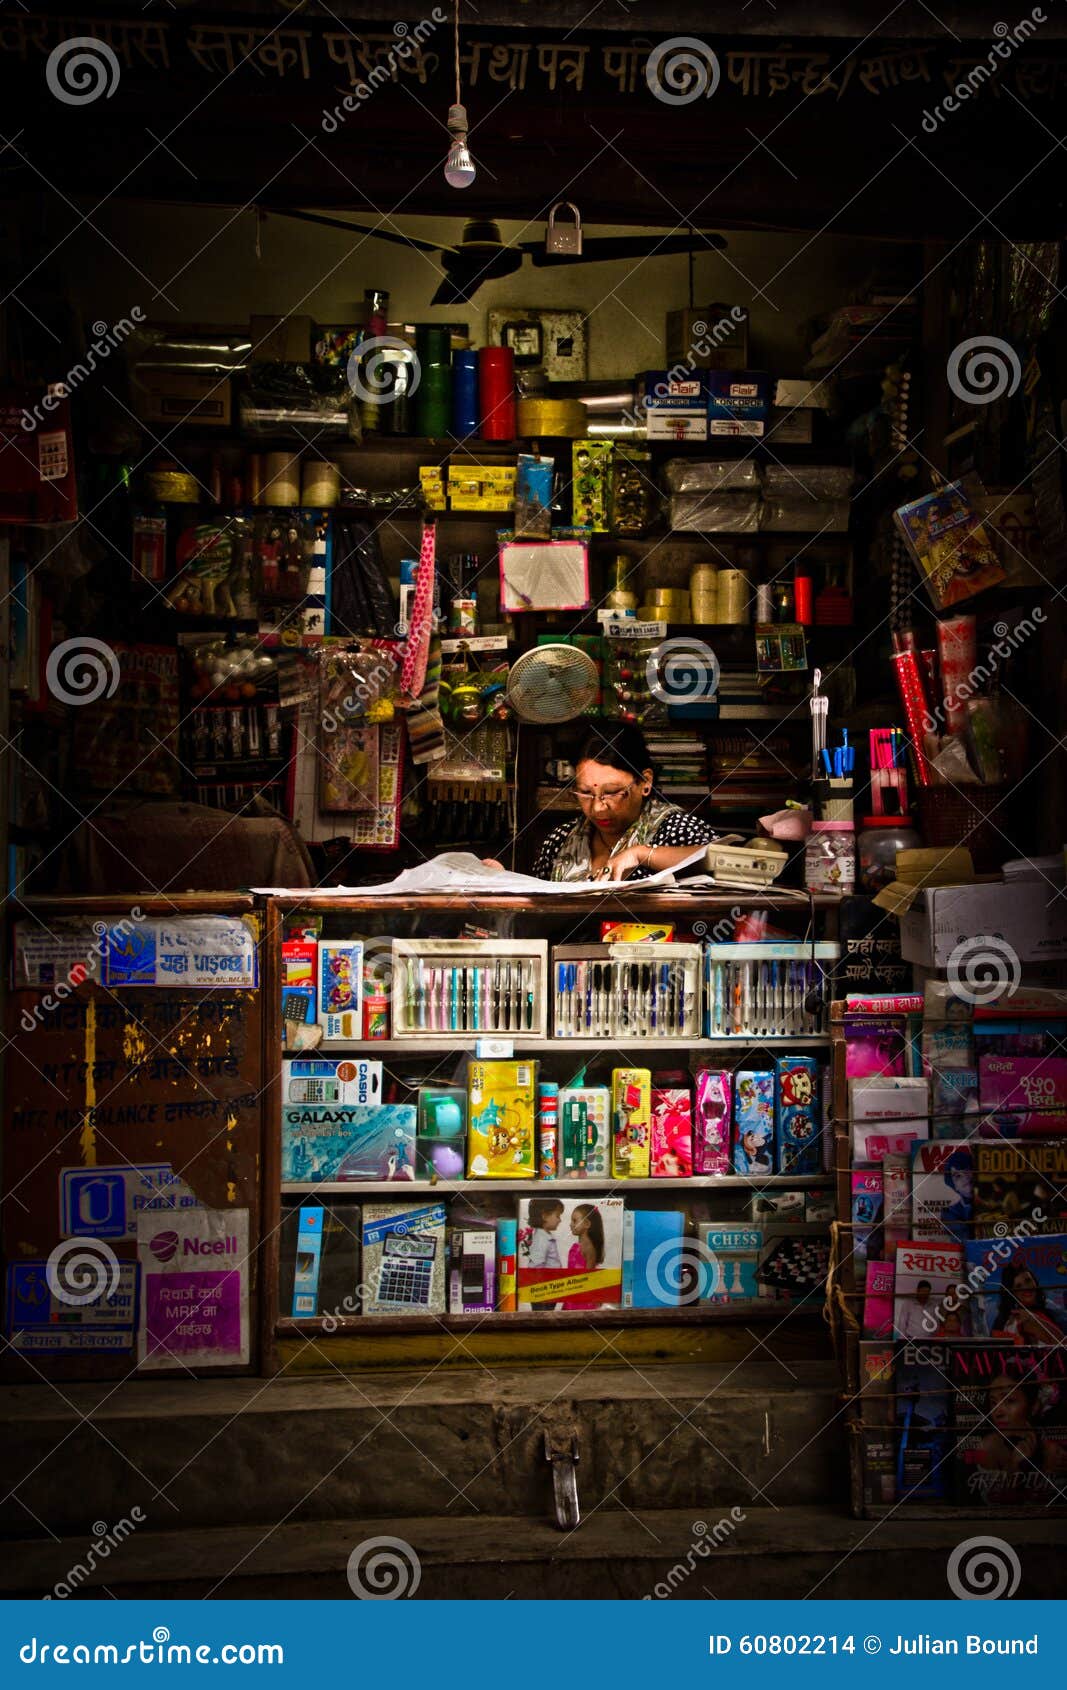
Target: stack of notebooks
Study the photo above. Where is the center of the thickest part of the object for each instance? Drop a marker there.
(681, 760)
(749, 774)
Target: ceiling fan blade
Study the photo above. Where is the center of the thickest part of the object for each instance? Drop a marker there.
(457, 290)
(625, 246)
(358, 229)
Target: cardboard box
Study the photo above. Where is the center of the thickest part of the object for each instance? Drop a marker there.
(176, 396)
(710, 336)
(281, 340)
(738, 403)
(791, 428)
(1024, 917)
(675, 408)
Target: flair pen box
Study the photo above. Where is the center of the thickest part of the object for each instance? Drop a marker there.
(442, 987)
(649, 988)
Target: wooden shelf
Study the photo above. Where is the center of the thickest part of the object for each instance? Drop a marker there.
(591, 1182)
(623, 898)
(698, 1314)
(438, 1044)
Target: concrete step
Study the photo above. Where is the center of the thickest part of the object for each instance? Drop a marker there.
(452, 1444)
(675, 1554)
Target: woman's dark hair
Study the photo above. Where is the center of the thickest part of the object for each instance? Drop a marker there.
(1009, 1302)
(595, 1229)
(542, 1206)
(618, 744)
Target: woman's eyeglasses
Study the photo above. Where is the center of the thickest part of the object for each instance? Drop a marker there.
(610, 796)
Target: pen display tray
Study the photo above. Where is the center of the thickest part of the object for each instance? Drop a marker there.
(495, 987)
(760, 990)
(637, 990)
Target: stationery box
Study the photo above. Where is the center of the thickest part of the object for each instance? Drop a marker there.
(631, 1112)
(731, 1256)
(472, 1270)
(501, 1140)
(672, 1132)
(324, 1079)
(441, 1145)
(348, 1142)
(570, 1252)
(442, 987)
(585, 1130)
(341, 989)
(652, 1258)
(404, 1258)
(674, 408)
(711, 1143)
(299, 969)
(319, 1259)
(753, 1134)
(738, 403)
(798, 1116)
(1026, 917)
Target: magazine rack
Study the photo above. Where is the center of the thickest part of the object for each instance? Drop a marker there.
(881, 1413)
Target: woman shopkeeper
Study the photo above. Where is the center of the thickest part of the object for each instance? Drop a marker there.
(623, 833)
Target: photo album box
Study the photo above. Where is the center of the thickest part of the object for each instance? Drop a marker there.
(570, 1252)
(404, 1258)
(348, 1141)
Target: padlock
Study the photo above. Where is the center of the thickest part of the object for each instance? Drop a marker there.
(564, 240)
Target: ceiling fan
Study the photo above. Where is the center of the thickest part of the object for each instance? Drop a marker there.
(482, 255)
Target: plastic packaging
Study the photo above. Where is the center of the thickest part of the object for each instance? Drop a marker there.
(797, 515)
(716, 513)
(533, 497)
(807, 481)
(633, 493)
(719, 476)
(877, 844)
(958, 653)
(830, 857)
(464, 394)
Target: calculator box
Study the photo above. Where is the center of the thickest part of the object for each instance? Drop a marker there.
(448, 987)
(645, 990)
(329, 1079)
(299, 969)
(404, 1258)
(757, 990)
(472, 1270)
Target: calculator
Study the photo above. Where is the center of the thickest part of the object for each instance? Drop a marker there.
(406, 1274)
(314, 1091)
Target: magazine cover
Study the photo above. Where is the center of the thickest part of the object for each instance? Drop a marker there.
(1026, 1095)
(878, 1300)
(896, 1201)
(924, 1420)
(1018, 1288)
(1013, 1182)
(1011, 1419)
(878, 1432)
(570, 1252)
(926, 1302)
(942, 1184)
(866, 1213)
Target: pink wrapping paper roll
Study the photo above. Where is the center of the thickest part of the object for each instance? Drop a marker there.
(912, 697)
(957, 645)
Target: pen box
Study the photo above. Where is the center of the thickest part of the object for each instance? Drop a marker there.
(798, 1116)
(753, 1136)
(631, 1113)
(442, 987)
(757, 990)
(711, 1140)
(501, 1141)
(672, 1132)
(644, 990)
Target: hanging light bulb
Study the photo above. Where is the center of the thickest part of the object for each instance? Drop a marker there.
(459, 166)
